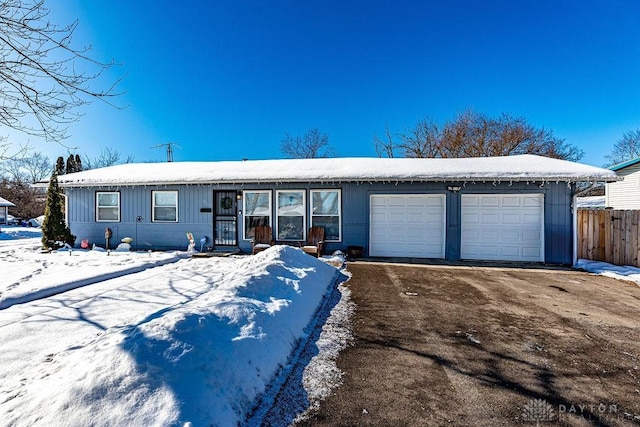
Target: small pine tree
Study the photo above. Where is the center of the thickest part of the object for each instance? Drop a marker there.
(78, 163)
(59, 168)
(71, 164)
(54, 229)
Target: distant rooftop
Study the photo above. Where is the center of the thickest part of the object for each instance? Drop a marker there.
(625, 164)
(6, 203)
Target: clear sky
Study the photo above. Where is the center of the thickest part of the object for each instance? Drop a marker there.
(227, 79)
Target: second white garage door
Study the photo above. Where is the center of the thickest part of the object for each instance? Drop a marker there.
(508, 227)
(407, 225)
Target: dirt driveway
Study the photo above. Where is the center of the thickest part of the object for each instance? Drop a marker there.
(484, 346)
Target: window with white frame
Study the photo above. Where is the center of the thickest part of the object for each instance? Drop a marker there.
(326, 212)
(107, 206)
(257, 211)
(290, 215)
(164, 206)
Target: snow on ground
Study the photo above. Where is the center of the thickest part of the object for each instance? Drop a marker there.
(591, 202)
(626, 272)
(197, 341)
(32, 275)
(11, 232)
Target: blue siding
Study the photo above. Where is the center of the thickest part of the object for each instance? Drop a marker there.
(136, 201)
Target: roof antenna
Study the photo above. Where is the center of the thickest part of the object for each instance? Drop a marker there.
(169, 146)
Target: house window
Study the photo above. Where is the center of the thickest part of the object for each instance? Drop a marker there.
(107, 206)
(257, 211)
(326, 212)
(165, 206)
(290, 214)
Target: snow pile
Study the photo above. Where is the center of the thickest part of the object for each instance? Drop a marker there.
(615, 271)
(201, 361)
(521, 167)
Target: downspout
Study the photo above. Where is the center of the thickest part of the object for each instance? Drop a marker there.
(574, 211)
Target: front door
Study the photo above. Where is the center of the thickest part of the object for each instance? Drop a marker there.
(225, 217)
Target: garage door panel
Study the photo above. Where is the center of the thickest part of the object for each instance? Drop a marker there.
(511, 235)
(530, 218)
(532, 201)
(511, 201)
(470, 200)
(533, 252)
(531, 236)
(489, 201)
(490, 218)
(502, 227)
(489, 234)
(511, 218)
(407, 225)
(471, 218)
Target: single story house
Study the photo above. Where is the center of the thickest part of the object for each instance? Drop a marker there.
(624, 194)
(516, 208)
(4, 210)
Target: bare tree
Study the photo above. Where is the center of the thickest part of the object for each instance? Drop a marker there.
(37, 167)
(386, 147)
(627, 148)
(43, 78)
(312, 144)
(26, 169)
(29, 201)
(107, 157)
(473, 134)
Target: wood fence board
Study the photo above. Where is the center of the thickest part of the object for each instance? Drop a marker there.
(601, 234)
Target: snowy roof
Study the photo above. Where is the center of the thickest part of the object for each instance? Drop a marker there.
(510, 168)
(5, 202)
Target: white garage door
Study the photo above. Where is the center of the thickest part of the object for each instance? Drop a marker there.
(407, 225)
(507, 227)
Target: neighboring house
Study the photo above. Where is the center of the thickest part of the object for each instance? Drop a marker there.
(4, 210)
(517, 208)
(625, 194)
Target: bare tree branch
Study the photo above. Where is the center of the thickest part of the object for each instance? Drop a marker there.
(107, 157)
(312, 144)
(627, 148)
(40, 86)
(386, 147)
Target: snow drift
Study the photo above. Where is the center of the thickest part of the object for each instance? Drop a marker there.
(200, 362)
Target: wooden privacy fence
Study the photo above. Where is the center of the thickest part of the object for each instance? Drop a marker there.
(609, 235)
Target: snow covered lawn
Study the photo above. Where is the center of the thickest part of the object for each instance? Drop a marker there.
(193, 341)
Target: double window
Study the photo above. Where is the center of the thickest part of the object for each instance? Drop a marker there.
(108, 206)
(165, 206)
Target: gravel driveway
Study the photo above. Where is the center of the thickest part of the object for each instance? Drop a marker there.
(488, 346)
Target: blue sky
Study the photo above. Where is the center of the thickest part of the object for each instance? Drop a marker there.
(228, 79)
